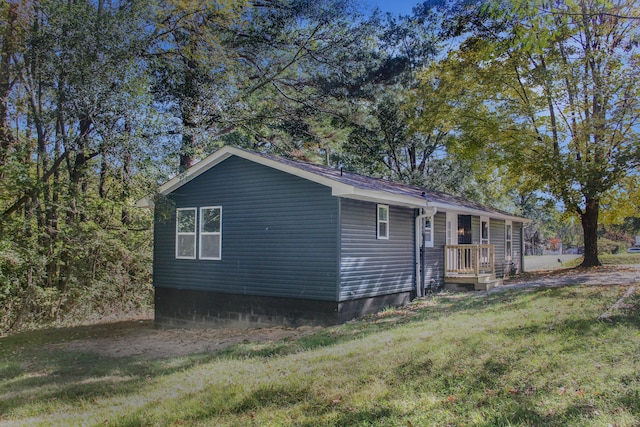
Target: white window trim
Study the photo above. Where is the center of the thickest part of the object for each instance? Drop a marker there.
(183, 233)
(508, 255)
(428, 232)
(210, 233)
(488, 239)
(379, 221)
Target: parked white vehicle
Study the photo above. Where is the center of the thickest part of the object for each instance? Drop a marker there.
(634, 250)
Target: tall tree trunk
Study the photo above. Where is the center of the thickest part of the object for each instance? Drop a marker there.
(8, 49)
(127, 159)
(104, 169)
(186, 151)
(589, 219)
(77, 173)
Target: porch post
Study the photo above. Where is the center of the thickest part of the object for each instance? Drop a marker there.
(493, 259)
(476, 267)
(446, 260)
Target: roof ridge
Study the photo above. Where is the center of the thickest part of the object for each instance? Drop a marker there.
(425, 192)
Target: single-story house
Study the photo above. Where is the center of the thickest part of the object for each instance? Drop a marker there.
(246, 238)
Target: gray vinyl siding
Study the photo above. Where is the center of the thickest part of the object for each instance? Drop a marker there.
(370, 266)
(496, 235)
(498, 239)
(475, 230)
(517, 245)
(279, 234)
(434, 264)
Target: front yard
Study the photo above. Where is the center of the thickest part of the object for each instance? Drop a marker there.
(518, 357)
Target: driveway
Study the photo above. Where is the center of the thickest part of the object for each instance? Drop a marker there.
(625, 275)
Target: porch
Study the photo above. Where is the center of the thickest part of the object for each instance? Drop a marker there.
(470, 265)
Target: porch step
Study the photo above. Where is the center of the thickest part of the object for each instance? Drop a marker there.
(490, 284)
(482, 282)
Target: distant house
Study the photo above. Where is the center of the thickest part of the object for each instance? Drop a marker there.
(251, 239)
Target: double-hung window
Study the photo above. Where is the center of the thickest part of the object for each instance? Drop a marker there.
(383, 222)
(186, 233)
(484, 231)
(428, 232)
(211, 233)
(508, 241)
(205, 228)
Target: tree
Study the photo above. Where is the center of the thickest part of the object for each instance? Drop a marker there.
(553, 88)
(403, 131)
(193, 69)
(299, 67)
(76, 108)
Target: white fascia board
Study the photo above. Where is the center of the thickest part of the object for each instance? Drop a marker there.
(226, 152)
(478, 212)
(145, 202)
(379, 197)
(195, 171)
(338, 189)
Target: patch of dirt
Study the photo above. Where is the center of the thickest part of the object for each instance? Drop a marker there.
(605, 275)
(140, 338)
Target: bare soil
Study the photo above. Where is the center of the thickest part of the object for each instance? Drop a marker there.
(139, 337)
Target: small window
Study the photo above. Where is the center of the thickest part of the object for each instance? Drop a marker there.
(186, 233)
(452, 228)
(428, 232)
(211, 233)
(508, 241)
(484, 231)
(383, 222)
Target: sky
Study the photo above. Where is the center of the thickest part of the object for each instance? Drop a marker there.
(394, 6)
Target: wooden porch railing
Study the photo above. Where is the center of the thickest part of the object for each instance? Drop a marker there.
(469, 259)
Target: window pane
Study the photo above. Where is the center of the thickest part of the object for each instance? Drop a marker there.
(187, 221)
(382, 229)
(508, 232)
(186, 246)
(210, 246)
(210, 220)
(382, 214)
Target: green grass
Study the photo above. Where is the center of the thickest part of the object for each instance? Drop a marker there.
(514, 358)
(609, 259)
(620, 259)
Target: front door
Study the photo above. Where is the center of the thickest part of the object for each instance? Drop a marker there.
(464, 230)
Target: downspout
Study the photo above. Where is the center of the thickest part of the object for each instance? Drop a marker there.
(425, 213)
(522, 247)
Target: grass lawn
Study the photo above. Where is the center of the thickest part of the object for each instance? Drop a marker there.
(514, 358)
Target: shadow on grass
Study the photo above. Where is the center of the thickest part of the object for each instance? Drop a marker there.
(31, 374)
(68, 377)
(75, 374)
(521, 414)
(292, 400)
